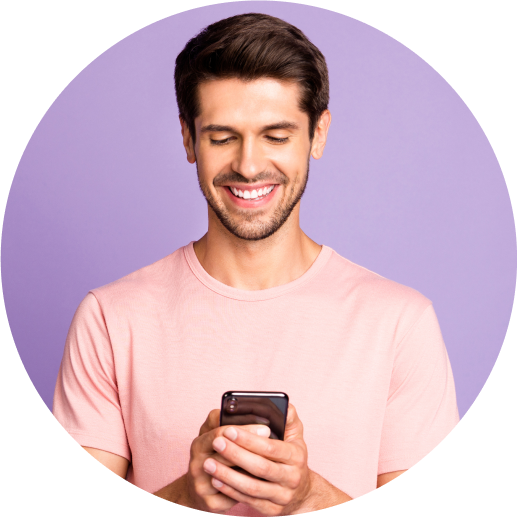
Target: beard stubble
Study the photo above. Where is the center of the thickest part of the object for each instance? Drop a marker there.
(255, 230)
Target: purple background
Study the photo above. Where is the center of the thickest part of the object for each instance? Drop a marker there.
(408, 187)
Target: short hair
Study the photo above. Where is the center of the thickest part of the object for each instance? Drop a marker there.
(252, 46)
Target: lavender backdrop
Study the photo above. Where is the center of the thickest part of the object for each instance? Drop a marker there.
(408, 187)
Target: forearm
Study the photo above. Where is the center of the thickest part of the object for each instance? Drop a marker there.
(321, 495)
(176, 492)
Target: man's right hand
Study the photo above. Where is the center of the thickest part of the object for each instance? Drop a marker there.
(200, 494)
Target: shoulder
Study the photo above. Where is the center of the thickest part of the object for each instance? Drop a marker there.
(152, 281)
(369, 293)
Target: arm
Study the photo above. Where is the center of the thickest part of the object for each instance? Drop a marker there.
(176, 492)
(86, 398)
(114, 462)
(322, 495)
(329, 495)
(382, 479)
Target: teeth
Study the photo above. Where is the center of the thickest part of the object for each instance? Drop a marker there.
(254, 194)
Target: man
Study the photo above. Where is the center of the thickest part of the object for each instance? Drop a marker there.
(255, 304)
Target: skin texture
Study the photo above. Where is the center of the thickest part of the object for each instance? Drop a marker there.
(249, 154)
(290, 486)
(251, 134)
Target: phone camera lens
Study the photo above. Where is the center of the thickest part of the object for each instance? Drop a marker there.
(231, 405)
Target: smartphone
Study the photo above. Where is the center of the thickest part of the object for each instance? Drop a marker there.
(256, 407)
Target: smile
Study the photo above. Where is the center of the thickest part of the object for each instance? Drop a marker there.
(252, 194)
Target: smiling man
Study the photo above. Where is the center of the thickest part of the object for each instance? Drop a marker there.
(255, 305)
(253, 170)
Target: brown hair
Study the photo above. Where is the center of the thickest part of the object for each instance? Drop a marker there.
(251, 46)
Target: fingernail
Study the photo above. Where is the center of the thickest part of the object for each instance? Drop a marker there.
(219, 444)
(209, 466)
(263, 431)
(216, 483)
(230, 433)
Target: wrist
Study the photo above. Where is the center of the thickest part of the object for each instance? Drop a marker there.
(177, 492)
(310, 502)
(321, 495)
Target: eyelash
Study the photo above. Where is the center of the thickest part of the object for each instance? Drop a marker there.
(272, 139)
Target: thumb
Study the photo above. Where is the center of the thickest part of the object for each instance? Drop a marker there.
(211, 422)
(293, 425)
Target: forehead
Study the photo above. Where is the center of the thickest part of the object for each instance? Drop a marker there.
(259, 102)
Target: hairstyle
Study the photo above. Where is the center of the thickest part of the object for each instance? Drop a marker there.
(251, 46)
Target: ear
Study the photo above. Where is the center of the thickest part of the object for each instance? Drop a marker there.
(188, 143)
(320, 135)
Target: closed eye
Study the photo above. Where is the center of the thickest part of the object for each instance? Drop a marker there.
(272, 139)
(221, 142)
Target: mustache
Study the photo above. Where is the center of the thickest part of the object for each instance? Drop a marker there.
(235, 177)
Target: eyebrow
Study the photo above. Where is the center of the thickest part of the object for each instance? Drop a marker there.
(214, 128)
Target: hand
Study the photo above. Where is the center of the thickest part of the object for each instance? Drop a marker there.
(201, 494)
(284, 483)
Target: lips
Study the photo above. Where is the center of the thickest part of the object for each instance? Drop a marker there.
(252, 193)
(251, 197)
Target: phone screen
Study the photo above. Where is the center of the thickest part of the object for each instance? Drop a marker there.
(253, 407)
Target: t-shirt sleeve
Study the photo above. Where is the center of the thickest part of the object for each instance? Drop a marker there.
(421, 408)
(86, 400)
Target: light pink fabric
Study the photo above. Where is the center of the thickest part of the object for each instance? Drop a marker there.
(361, 357)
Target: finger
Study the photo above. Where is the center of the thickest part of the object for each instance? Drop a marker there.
(261, 408)
(203, 443)
(211, 422)
(223, 460)
(261, 505)
(275, 450)
(253, 463)
(243, 483)
(201, 484)
(212, 498)
(292, 416)
(293, 425)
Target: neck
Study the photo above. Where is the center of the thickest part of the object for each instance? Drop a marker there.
(252, 265)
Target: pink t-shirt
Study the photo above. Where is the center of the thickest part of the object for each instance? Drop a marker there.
(361, 358)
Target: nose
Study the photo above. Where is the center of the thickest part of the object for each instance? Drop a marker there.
(250, 159)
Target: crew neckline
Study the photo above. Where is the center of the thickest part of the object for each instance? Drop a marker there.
(258, 295)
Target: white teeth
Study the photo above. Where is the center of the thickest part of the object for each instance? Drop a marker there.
(254, 194)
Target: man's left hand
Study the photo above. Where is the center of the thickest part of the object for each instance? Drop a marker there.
(286, 484)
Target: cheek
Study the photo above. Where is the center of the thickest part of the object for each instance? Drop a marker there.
(292, 157)
(293, 164)
(212, 162)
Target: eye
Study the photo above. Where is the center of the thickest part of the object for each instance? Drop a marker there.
(221, 142)
(274, 140)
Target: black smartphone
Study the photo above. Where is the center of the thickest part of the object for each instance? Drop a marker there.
(256, 407)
